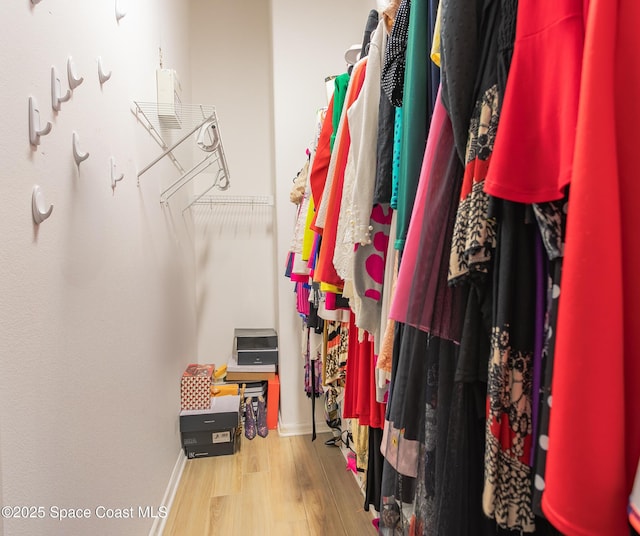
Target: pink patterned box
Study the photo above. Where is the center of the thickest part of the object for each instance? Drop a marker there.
(195, 387)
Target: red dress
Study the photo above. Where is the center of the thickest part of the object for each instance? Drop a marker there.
(318, 174)
(533, 150)
(360, 388)
(594, 436)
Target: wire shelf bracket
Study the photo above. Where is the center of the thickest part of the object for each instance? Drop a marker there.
(196, 121)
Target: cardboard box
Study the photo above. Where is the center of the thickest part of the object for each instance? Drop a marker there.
(195, 386)
(250, 376)
(223, 413)
(228, 443)
(249, 373)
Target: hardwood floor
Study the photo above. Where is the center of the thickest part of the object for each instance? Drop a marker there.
(276, 485)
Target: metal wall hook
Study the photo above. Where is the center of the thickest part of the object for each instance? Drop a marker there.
(114, 179)
(74, 81)
(120, 13)
(34, 124)
(34, 2)
(78, 156)
(56, 91)
(39, 206)
(101, 74)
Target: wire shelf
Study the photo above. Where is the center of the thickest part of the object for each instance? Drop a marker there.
(175, 116)
(188, 119)
(263, 200)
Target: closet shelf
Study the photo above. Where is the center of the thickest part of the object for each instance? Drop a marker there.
(253, 200)
(195, 122)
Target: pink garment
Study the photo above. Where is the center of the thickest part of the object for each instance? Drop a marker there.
(368, 275)
(423, 299)
(302, 299)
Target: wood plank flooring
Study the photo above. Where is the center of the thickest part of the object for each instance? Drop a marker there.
(274, 485)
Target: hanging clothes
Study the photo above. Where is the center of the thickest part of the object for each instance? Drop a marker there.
(359, 177)
(552, 221)
(328, 212)
(384, 151)
(359, 400)
(416, 113)
(459, 56)
(634, 504)
(594, 434)
(508, 480)
(395, 59)
(423, 298)
(533, 164)
(318, 172)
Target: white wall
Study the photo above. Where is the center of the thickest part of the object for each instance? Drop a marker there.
(97, 305)
(231, 69)
(264, 71)
(309, 42)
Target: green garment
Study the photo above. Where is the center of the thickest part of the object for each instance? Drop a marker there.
(395, 165)
(341, 83)
(415, 115)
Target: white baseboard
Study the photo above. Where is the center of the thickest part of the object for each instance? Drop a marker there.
(167, 501)
(304, 428)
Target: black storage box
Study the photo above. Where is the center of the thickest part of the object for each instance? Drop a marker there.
(226, 443)
(255, 346)
(197, 439)
(224, 414)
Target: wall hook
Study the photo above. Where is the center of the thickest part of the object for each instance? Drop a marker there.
(56, 91)
(39, 206)
(114, 179)
(34, 124)
(34, 2)
(101, 74)
(120, 13)
(74, 81)
(77, 155)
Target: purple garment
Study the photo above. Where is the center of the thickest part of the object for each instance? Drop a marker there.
(538, 342)
(314, 252)
(289, 265)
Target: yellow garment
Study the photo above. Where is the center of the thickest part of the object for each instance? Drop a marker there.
(360, 444)
(309, 235)
(326, 287)
(220, 372)
(435, 46)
